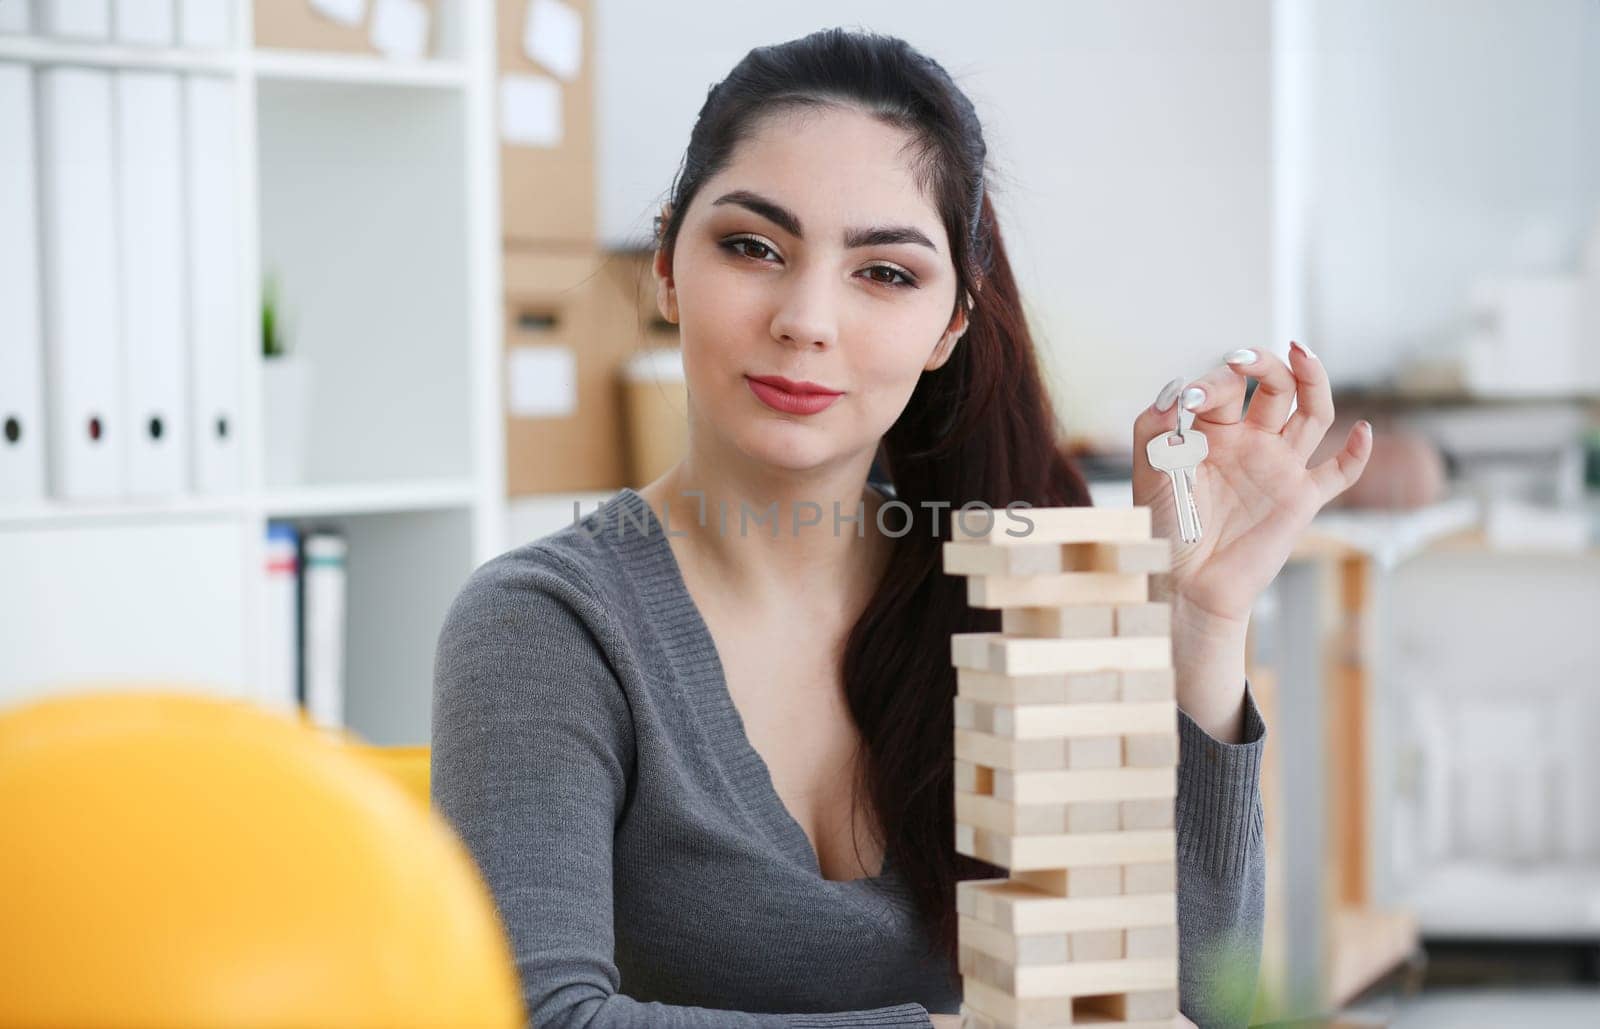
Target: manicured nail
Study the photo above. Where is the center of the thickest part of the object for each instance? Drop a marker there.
(1243, 356)
(1303, 349)
(1193, 397)
(1168, 394)
(1365, 426)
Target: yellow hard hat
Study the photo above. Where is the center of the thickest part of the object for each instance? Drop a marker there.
(176, 860)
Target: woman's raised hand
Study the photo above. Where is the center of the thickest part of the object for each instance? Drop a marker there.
(1254, 490)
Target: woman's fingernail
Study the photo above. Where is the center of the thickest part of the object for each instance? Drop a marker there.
(1168, 394)
(1243, 356)
(1303, 349)
(1193, 397)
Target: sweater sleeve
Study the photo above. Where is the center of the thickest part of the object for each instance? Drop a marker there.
(1221, 870)
(532, 757)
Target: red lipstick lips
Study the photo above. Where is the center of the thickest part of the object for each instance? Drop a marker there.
(791, 397)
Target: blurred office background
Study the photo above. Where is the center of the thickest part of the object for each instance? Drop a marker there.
(309, 307)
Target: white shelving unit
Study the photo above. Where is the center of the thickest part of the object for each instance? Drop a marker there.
(369, 190)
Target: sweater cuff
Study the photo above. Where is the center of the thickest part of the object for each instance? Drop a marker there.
(908, 1016)
(1218, 812)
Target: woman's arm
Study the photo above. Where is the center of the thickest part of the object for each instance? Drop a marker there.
(532, 755)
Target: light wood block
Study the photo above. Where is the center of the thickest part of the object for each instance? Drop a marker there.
(1021, 526)
(1155, 941)
(1028, 786)
(1153, 750)
(1001, 591)
(1147, 814)
(1013, 655)
(1030, 949)
(1019, 908)
(1043, 721)
(1096, 945)
(1136, 1007)
(986, 812)
(1077, 621)
(1103, 687)
(1073, 978)
(1150, 877)
(1131, 557)
(968, 558)
(1066, 850)
(1151, 619)
(974, 778)
(984, 1007)
(1079, 881)
(1140, 685)
(997, 752)
(1090, 752)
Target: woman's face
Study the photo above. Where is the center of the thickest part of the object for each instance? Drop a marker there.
(814, 257)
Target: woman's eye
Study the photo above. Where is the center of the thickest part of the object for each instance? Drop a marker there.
(907, 280)
(735, 244)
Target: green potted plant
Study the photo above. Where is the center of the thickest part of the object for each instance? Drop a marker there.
(286, 391)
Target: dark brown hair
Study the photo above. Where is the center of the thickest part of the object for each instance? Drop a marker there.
(979, 429)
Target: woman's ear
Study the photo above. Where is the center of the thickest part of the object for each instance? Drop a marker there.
(666, 295)
(959, 323)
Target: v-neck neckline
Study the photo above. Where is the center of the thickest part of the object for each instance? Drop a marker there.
(721, 715)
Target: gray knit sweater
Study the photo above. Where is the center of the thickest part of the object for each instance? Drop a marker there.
(587, 750)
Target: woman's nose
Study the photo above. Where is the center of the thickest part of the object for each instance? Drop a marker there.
(807, 310)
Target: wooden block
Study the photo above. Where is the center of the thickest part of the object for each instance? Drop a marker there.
(1080, 881)
(1097, 945)
(974, 778)
(982, 748)
(1073, 978)
(1139, 1007)
(1017, 907)
(1146, 684)
(1153, 750)
(1137, 557)
(1094, 752)
(969, 715)
(1017, 948)
(1001, 591)
(987, 812)
(1155, 941)
(967, 558)
(1150, 619)
(1003, 1009)
(1146, 814)
(1152, 877)
(1023, 853)
(1044, 721)
(1021, 526)
(1014, 655)
(1075, 621)
(1103, 687)
(1027, 786)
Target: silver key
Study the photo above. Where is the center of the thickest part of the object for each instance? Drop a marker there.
(1179, 454)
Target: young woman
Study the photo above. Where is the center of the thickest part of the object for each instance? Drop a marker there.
(700, 742)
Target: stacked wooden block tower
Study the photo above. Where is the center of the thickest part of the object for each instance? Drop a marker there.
(1066, 752)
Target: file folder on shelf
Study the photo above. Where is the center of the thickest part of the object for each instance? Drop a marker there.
(147, 22)
(322, 565)
(150, 205)
(21, 341)
(280, 649)
(82, 321)
(74, 19)
(215, 324)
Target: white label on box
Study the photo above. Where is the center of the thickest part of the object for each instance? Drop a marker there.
(553, 36)
(530, 110)
(543, 381)
(345, 12)
(400, 28)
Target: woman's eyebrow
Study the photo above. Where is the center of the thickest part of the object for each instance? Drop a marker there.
(880, 235)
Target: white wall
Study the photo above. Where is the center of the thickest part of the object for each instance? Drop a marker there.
(1453, 138)
(1130, 138)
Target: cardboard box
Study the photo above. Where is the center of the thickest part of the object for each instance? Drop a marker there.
(573, 308)
(297, 25)
(547, 193)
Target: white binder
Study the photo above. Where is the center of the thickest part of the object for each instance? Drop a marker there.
(13, 17)
(74, 19)
(215, 340)
(83, 352)
(21, 339)
(150, 22)
(280, 655)
(150, 234)
(323, 625)
(205, 23)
